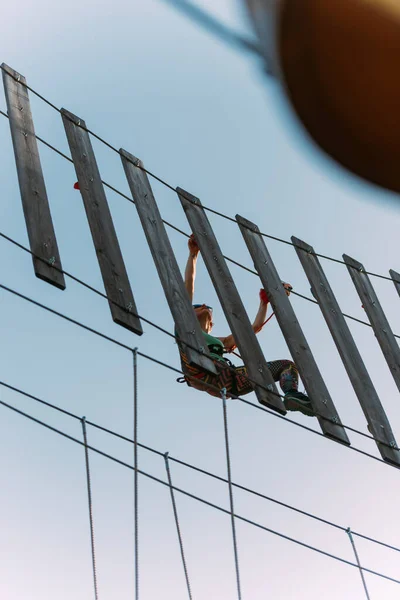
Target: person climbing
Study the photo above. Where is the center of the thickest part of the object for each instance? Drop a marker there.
(233, 378)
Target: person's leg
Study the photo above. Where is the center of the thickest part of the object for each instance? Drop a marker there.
(285, 371)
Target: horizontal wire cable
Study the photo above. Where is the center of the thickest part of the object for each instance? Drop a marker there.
(169, 186)
(90, 507)
(193, 467)
(144, 319)
(22, 247)
(171, 226)
(209, 385)
(190, 495)
(108, 185)
(242, 266)
(282, 417)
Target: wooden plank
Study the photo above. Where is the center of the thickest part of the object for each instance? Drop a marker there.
(112, 266)
(317, 391)
(376, 316)
(231, 303)
(39, 224)
(396, 280)
(186, 322)
(348, 351)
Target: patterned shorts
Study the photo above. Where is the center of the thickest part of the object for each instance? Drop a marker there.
(235, 379)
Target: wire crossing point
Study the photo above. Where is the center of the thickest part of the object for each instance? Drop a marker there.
(349, 353)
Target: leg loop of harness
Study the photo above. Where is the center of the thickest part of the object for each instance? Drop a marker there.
(183, 380)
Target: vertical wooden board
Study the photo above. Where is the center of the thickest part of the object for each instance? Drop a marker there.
(231, 303)
(316, 389)
(396, 280)
(376, 316)
(39, 224)
(351, 358)
(112, 266)
(186, 323)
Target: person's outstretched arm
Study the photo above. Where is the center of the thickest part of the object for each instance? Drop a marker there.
(259, 321)
(190, 271)
(229, 341)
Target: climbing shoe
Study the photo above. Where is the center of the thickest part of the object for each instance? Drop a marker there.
(296, 401)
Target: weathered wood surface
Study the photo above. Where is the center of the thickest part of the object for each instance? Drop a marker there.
(231, 303)
(39, 224)
(317, 391)
(396, 280)
(186, 322)
(348, 351)
(376, 316)
(112, 266)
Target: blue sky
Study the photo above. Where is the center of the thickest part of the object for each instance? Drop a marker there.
(202, 117)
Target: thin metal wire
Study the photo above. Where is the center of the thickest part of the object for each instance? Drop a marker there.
(238, 264)
(138, 316)
(108, 185)
(348, 531)
(202, 500)
(84, 284)
(135, 475)
(328, 258)
(180, 372)
(169, 186)
(369, 539)
(228, 466)
(197, 469)
(90, 503)
(178, 529)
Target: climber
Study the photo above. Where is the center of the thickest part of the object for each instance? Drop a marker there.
(234, 379)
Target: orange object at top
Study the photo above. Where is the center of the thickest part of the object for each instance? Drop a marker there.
(338, 61)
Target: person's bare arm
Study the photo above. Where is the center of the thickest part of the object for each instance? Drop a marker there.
(229, 340)
(190, 270)
(259, 321)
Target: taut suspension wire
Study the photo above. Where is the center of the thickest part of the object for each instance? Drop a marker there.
(194, 497)
(135, 475)
(348, 531)
(180, 372)
(197, 469)
(169, 186)
(228, 465)
(89, 490)
(178, 529)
